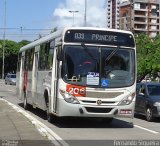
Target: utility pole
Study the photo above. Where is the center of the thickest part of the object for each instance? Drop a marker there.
(85, 13)
(4, 42)
(73, 12)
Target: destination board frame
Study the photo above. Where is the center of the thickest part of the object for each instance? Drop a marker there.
(99, 37)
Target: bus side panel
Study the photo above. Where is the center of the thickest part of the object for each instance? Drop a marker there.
(40, 100)
(29, 87)
(34, 78)
(18, 84)
(20, 80)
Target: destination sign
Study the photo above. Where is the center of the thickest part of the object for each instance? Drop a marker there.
(99, 37)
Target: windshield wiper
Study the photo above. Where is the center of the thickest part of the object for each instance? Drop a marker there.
(112, 53)
(86, 50)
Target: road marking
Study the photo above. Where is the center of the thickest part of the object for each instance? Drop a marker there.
(42, 128)
(140, 127)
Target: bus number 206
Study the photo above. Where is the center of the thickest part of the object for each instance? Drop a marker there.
(76, 90)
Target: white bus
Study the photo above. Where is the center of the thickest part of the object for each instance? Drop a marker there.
(79, 72)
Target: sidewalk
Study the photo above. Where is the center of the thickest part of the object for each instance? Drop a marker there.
(17, 130)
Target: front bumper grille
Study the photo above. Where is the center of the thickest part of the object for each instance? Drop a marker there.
(98, 110)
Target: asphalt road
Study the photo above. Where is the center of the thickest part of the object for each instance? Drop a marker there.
(93, 131)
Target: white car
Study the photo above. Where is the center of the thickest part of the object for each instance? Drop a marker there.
(10, 79)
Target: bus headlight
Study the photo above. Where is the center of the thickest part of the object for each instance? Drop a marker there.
(127, 100)
(69, 97)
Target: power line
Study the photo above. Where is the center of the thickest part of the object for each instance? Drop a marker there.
(25, 29)
(20, 32)
(24, 37)
(26, 34)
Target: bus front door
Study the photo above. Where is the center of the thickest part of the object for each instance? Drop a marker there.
(54, 83)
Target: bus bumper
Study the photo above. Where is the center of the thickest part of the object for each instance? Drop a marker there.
(78, 110)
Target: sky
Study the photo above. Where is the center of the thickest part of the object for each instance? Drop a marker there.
(29, 19)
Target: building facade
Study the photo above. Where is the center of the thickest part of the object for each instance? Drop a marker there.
(112, 13)
(140, 16)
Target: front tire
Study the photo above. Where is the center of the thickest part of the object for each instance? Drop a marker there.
(49, 115)
(149, 114)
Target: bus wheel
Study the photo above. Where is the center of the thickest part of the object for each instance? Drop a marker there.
(25, 104)
(49, 115)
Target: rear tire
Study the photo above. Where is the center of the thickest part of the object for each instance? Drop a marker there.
(25, 104)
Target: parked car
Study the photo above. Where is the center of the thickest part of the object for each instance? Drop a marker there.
(148, 100)
(10, 79)
(146, 80)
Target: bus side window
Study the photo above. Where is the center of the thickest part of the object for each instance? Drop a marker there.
(45, 57)
(42, 53)
(19, 62)
(49, 56)
(26, 60)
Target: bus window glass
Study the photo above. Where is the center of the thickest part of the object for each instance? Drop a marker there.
(31, 57)
(26, 62)
(117, 67)
(49, 56)
(42, 56)
(83, 66)
(46, 56)
(79, 62)
(19, 62)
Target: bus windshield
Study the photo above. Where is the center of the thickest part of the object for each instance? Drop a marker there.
(101, 67)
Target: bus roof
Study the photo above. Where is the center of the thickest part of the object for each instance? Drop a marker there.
(60, 32)
(98, 28)
(42, 40)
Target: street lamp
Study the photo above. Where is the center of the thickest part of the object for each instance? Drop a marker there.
(73, 14)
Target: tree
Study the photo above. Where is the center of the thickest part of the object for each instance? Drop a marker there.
(156, 56)
(10, 54)
(54, 30)
(23, 43)
(148, 55)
